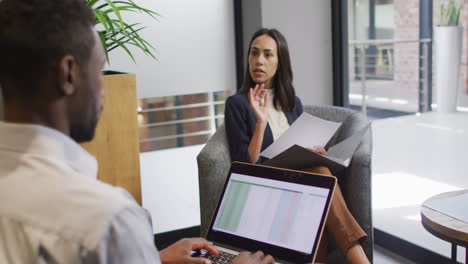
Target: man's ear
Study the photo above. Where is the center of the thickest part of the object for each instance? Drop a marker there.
(67, 74)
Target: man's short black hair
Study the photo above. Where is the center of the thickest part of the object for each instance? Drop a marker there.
(36, 34)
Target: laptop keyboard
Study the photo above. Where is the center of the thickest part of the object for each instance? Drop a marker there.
(223, 257)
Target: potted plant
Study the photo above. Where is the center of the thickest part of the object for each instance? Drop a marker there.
(116, 141)
(114, 31)
(448, 41)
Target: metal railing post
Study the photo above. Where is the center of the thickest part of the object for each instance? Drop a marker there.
(212, 113)
(362, 66)
(425, 79)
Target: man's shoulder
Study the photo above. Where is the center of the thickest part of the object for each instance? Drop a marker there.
(102, 205)
(72, 206)
(78, 217)
(97, 200)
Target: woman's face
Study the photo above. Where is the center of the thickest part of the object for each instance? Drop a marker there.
(263, 60)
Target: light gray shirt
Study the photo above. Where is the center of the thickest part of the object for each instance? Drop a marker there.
(53, 210)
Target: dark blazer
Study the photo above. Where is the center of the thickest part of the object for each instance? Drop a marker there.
(240, 123)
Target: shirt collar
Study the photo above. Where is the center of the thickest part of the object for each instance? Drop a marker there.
(47, 142)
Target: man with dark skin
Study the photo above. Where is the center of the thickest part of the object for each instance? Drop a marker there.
(52, 208)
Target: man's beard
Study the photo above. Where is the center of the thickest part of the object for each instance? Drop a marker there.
(83, 132)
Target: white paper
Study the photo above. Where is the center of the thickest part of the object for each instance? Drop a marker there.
(344, 150)
(307, 131)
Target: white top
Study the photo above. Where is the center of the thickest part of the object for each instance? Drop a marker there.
(53, 210)
(276, 118)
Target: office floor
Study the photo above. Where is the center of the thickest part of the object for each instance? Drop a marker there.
(414, 158)
(384, 256)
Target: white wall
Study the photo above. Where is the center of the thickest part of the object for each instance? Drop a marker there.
(195, 44)
(169, 186)
(307, 27)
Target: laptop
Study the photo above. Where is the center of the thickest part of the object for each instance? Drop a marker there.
(278, 211)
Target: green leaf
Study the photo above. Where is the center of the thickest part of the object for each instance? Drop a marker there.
(147, 11)
(101, 19)
(137, 36)
(122, 45)
(104, 45)
(121, 8)
(116, 11)
(450, 14)
(91, 3)
(116, 32)
(122, 39)
(458, 16)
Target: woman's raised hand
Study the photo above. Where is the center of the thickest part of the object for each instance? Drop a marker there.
(259, 106)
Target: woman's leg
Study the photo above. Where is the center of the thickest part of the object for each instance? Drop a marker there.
(321, 256)
(341, 224)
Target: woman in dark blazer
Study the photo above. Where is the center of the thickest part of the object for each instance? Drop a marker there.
(262, 110)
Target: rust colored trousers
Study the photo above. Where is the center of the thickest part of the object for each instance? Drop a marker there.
(340, 223)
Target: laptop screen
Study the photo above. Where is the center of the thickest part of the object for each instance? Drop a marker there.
(281, 213)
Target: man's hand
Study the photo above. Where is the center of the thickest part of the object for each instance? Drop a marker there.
(179, 252)
(253, 258)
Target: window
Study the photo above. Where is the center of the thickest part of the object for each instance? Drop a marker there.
(178, 121)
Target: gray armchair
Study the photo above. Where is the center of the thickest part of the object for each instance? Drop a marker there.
(214, 162)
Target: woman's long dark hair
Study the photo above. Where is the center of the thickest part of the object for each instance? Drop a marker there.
(285, 96)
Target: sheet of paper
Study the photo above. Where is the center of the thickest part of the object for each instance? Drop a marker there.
(455, 206)
(344, 150)
(307, 131)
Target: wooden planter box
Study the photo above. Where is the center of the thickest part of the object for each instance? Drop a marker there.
(116, 142)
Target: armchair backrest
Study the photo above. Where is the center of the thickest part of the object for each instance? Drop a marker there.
(214, 162)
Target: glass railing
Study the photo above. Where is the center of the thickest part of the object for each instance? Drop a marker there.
(178, 121)
(390, 74)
